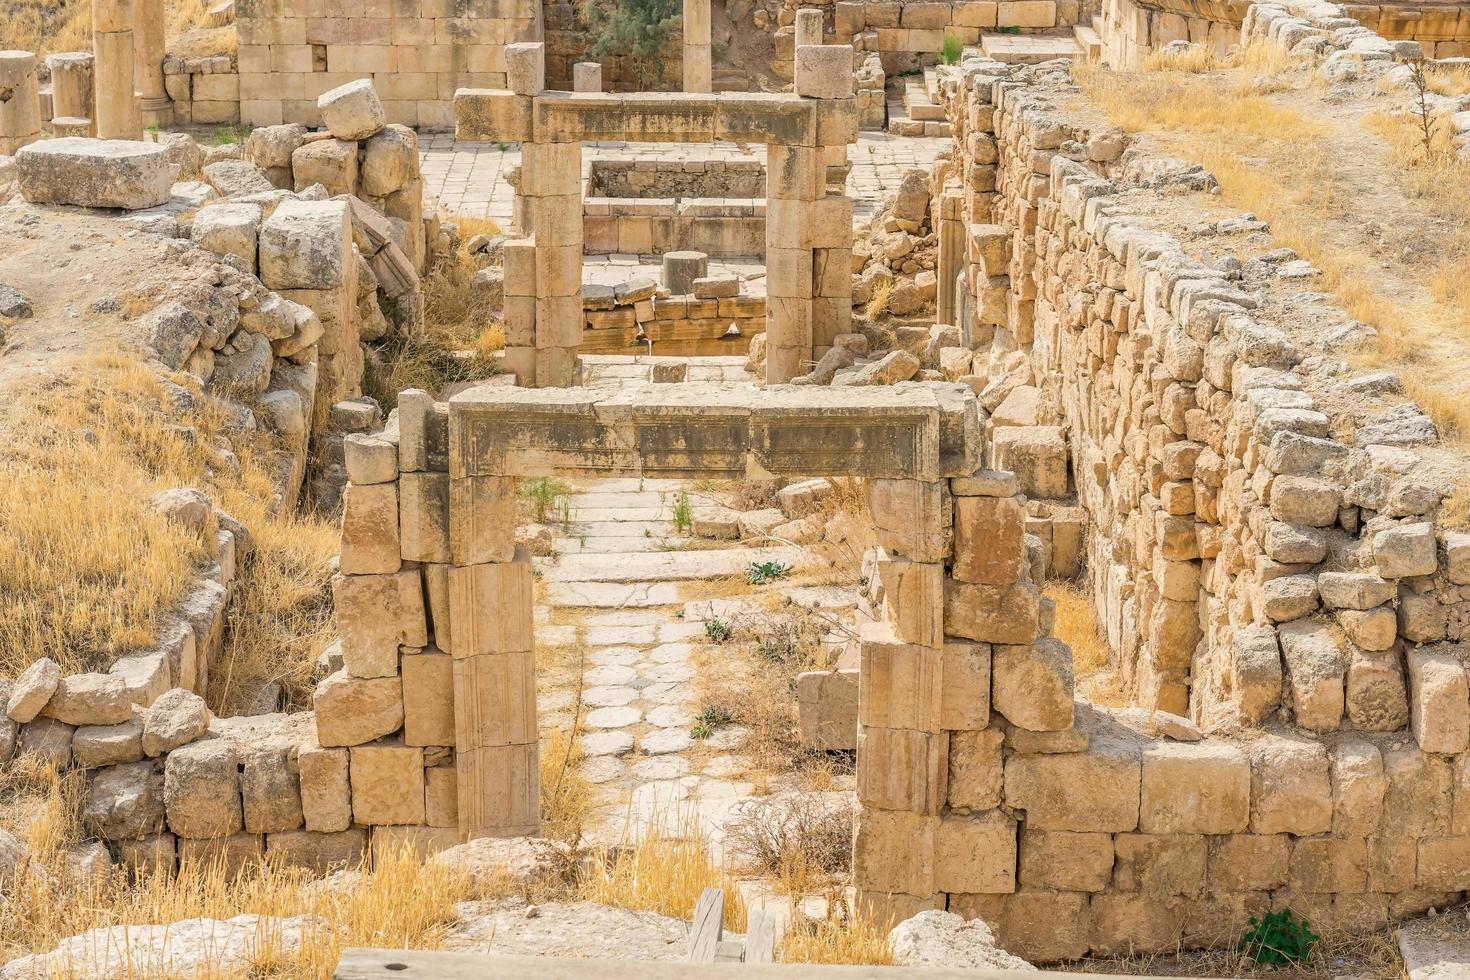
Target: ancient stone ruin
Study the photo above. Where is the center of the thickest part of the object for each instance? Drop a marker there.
(942, 415)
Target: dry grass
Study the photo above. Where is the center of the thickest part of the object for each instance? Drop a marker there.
(49, 26)
(566, 797)
(458, 341)
(661, 872)
(841, 938)
(84, 591)
(1449, 81)
(1368, 954)
(1194, 60)
(803, 841)
(878, 303)
(1076, 625)
(1276, 162)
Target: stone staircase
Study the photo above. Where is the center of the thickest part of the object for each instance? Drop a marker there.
(1089, 37)
(920, 111)
(1030, 49)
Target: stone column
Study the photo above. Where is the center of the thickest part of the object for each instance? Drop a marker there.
(71, 84)
(808, 26)
(551, 196)
(808, 231)
(20, 101)
(951, 257)
(698, 54)
(587, 77)
(491, 588)
(903, 748)
(148, 47)
(116, 114)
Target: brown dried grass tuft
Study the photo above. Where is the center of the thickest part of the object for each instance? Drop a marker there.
(662, 872)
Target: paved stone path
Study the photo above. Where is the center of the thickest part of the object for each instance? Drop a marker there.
(470, 178)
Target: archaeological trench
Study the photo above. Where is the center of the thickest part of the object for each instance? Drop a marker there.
(1069, 386)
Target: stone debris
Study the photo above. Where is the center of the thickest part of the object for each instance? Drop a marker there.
(94, 173)
(943, 939)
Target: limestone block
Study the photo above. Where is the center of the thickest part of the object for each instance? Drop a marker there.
(824, 71)
(1095, 790)
(1377, 696)
(992, 614)
(1444, 864)
(901, 682)
(988, 540)
(270, 147)
(1294, 544)
(1316, 667)
(229, 229)
(827, 703)
(910, 517)
(326, 803)
(387, 783)
(201, 789)
(317, 852)
(490, 606)
(893, 852)
(370, 460)
(1201, 788)
(903, 769)
(428, 698)
(1066, 861)
(1256, 662)
(1032, 684)
(424, 516)
(270, 788)
(1044, 926)
(1289, 597)
(525, 67)
(148, 855)
(1370, 629)
(306, 245)
(1038, 457)
(1291, 791)
(351, 711)
(229, 854)
(32, 688)
(92, 173)
(46, 741)
(1160, 864)
(976, 775)
(352, 111)
(237, 178)
(90, 699)
(107, 745)
(331, 163)
(482, 519)
(490, 114)
(1405, 551)
(1420, 792)
(370, 539)
(1123, 924)
(125, 802)
(495, 700)
(390, 161)
(1305, 500)
(1421, 617)
(586, 77)
(1329, 864)
(499, 790)
(1439, 700)
(1358, 786)
(965, 687)
(441, 797)
(1249, 862)
(370, 620)
(913, 599)
(975, 853)
(1173, 631)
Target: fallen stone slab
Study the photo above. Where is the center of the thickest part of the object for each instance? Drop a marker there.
(1435, 949)
(13, 303)
(91, 173)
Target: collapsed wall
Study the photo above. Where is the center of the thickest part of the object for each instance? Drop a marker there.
(1268, 554)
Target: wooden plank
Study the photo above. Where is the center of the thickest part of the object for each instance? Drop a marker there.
(760, 937)
(395, 964)
(708, 927)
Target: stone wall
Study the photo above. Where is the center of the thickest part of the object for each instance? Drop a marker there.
(416, 52)
(1266, 559)
(205, 91)
(1131, 30)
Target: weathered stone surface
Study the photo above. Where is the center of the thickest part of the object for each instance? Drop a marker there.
(1439, 701)
(351, 710)
(177, 718)
(1405, 551)
(1032, 684)
(202, 790)
(90, 699)
(390, 160)
(1066, 860)
(125, 802)
(976, 776)
(1358, 786)
(93, 173)
(988, 540)
(32, 688)
(992, 614)
(1202, 788)
(1316, 667)
(270, 789)
(943, 939)
(975, 853)
(330, 163)
(234, 178)
(352, 111)
(326, 800)
(1291, 791)
(519, 863)
(1096, 790)
(107, 745)
(387, 784)
(305, 245)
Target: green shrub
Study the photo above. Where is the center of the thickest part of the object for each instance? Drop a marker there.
(637, 29)
(762, 572)
(1278, 939)
(950, 53)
